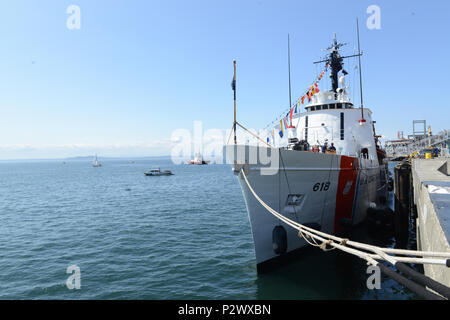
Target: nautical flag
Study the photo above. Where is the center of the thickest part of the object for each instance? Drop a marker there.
(303, 98)
(268, 140)
(281, 129)
(291, 113)
(296, 110)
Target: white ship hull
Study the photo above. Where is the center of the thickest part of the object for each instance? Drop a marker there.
(331, 191)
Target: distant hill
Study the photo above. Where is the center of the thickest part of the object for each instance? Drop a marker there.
(80, 158)
(90, 158)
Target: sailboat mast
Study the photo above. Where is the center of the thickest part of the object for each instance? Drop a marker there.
(233, 85)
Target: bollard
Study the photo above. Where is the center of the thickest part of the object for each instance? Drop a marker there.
(402, 191)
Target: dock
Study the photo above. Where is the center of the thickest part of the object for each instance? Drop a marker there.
(422, 194)
(431, 196)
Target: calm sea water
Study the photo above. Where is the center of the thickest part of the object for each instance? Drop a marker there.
(185, 236)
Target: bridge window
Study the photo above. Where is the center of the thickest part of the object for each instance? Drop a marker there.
(342, 126)
(325, 106)
(339, 105)
(332, 106)
(318, 107)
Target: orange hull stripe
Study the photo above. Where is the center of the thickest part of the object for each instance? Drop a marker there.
(346, 191)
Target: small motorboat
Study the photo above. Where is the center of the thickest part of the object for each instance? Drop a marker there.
(158, 172)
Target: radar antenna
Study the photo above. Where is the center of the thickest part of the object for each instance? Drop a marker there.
(336, 62)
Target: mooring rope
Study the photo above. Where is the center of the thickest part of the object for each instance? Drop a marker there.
(368, 247)
(371, 258)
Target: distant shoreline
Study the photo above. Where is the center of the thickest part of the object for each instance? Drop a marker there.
(88, 158)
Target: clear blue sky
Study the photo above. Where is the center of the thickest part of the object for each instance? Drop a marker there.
(137, 70)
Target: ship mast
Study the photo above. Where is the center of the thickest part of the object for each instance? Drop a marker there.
(360, 76)
(289, 70)
(335, 62)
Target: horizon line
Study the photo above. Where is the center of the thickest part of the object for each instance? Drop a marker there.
(80, 158)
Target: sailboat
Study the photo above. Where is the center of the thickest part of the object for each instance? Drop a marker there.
(96, 163)
(328, 189)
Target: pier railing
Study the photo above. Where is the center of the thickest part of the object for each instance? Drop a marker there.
(406, 147)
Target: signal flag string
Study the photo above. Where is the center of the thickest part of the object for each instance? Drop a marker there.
(313, 89)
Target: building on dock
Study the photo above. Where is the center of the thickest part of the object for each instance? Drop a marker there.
(403, 147)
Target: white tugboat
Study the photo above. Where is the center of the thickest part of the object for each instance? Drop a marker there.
(326, 188)
(198, 160)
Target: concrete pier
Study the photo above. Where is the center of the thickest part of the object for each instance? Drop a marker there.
(431, 184)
